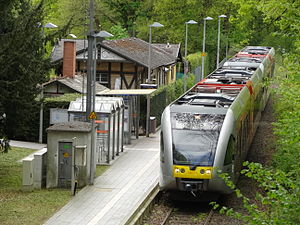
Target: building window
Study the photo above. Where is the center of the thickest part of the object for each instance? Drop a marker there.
(102, 78)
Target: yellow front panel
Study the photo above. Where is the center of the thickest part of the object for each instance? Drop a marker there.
(198, 173)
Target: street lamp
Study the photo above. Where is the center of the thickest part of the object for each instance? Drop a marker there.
(91, 89)
(72, 36)
(218, 47)
(51, 26)
(185, 52)
(186, 35)
(155, 24)
(203, 47)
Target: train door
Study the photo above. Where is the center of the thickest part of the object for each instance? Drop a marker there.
(64, 164)
(228, 166)
(240, 144)
(245, 137)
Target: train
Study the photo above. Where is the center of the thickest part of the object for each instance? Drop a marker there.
(211, 126)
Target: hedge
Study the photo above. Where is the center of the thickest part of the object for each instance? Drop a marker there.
(163, 96)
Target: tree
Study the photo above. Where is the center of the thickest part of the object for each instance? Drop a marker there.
(124, 12)
(118, 32)
(23, 65)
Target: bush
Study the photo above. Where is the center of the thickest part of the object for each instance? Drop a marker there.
(277, 205)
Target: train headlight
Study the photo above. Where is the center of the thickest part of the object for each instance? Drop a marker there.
(208, 171)
(182, 170)
(177, 170)
(202, 171)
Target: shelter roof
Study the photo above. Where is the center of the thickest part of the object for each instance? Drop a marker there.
(76, 126)
(127, 92)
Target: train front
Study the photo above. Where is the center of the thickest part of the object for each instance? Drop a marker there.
(189, 141)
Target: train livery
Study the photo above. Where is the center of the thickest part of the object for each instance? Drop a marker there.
(211, 126)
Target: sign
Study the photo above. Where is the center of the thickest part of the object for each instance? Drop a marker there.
(92, 116)
(203, 53)
(58, 115)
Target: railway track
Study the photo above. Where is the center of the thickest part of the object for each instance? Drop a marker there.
(189, 217)
(166, 212)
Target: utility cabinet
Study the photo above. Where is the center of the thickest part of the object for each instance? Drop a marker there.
(66, 141)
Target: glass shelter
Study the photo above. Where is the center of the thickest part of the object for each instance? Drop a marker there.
(109, 125)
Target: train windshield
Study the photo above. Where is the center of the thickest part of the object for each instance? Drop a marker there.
(195, 138)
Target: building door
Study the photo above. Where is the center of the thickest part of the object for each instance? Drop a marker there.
(64, 164)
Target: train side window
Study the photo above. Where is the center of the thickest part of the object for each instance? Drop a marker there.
(229, 151)
(162, 148)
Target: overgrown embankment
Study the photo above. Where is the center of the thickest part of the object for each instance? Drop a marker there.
(287, 111)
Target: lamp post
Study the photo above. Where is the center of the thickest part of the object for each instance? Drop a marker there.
(51, 26)
(186, 35)
(185, 51)
(218, 47)
(155, 24)
(91, 89)
(203, 47)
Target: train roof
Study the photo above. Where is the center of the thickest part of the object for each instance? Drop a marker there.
(254, 52)
(221, 87)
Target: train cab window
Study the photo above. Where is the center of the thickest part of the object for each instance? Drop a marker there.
(162, 148)
(229, 151)
(195, 138)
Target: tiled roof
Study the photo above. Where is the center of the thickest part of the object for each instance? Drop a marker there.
(133, 49)
(58, 50)
(138, 50)
(76, 83)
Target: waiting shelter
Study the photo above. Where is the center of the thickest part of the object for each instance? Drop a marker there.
(109, 125)
(132, 109)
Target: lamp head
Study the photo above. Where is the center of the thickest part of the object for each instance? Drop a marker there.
(208, 18)
(156, 24)
(103, 34)
(191, 22)
(73, 35)
(50, 25)
(222, 16)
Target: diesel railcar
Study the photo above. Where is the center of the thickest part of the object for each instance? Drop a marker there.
(212, 125)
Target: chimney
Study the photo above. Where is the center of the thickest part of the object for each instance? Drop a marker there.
(69, 59)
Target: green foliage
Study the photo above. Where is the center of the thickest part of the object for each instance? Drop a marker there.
(277, 205)
(118, 32)
(194, 60)
(124, 12)
(62, 100)
(22, 64)
(287, 110)
(72, 14)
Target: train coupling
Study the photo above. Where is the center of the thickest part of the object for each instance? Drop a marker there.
(192, 185)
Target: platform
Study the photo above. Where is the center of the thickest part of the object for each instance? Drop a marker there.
(119, 191)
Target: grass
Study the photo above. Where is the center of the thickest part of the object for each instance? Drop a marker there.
(18, 207)
(101, 169)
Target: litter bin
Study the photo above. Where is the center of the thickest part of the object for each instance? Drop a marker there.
(152, 124)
